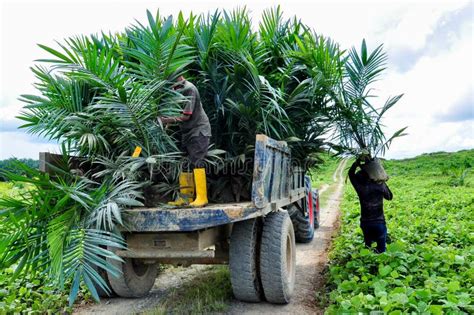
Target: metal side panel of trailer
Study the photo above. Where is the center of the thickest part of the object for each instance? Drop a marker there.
(188, 219)
(276, 183)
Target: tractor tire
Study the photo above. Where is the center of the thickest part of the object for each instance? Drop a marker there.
(244, 260)
(317, 210)
(136, 279)
(304, 230)
(278, 258)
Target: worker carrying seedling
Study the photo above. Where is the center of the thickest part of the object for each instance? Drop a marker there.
(196, 132)
(371, 194)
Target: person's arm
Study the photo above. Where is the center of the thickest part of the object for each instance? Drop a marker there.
(187, 111)
(170, 120)
(387, 193)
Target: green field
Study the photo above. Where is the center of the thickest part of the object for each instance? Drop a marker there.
(323, 174)
(428, 267)
(9, 189)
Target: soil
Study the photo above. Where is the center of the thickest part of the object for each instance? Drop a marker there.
(171, 278)
(311, 260)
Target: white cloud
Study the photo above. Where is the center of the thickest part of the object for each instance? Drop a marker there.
(436, 79)
(21, 145)
(409, 25)
(433, 86)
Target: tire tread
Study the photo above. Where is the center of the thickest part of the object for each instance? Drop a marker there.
(243, 261)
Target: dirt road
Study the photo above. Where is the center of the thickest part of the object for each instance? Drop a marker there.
(310, 259)
(310, 262)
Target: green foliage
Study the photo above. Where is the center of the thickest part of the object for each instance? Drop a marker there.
(31, 294)
(100, 94)
(9, 189)
(9, 165)
(323, 174)
(63, 226)
(428, 266)
(358, 121)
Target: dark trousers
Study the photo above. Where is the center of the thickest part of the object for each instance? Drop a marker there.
(196, 149)
(375, 232)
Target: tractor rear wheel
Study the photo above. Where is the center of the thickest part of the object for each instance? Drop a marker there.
(304, 230)
(244, 260)
(278, 258)
(136, 280)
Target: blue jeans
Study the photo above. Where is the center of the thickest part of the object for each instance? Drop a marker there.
(375, 232)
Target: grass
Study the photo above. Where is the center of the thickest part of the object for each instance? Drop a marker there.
(428, 266)
(8, 189)
(209, 292)
(323, 174)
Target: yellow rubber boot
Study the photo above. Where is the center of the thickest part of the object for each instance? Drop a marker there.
(186, 190)
(201, 188)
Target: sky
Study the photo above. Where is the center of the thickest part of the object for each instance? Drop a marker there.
(429, 46)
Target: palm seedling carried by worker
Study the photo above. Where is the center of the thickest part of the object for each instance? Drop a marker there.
(360, 134)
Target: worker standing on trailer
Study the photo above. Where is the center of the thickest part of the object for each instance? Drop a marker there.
(371, 195)
(196, 133)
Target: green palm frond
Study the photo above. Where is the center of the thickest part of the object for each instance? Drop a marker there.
(64, 226)
(358, 121)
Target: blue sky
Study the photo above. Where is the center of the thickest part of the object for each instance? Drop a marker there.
(429, 44)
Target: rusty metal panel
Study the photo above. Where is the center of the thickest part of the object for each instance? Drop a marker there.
(208, 246)
(261, 173)
(271, 172)
(163, 241)
(277, 175)
(168, 254)
(188, 219)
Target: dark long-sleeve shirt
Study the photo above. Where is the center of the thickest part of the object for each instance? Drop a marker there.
(371, 195)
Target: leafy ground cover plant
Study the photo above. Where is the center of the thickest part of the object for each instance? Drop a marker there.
(428, 266)
(32, 293)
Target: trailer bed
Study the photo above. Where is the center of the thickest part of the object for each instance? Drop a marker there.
(168, 219)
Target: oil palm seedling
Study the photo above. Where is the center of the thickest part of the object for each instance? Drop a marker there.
(358, 121)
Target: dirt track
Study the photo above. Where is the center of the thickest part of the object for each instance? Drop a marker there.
(310, 259)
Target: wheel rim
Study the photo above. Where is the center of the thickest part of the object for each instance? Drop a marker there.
(139, 268)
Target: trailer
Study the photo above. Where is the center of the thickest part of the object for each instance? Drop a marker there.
(256, 238)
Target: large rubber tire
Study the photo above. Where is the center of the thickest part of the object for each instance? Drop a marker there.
(317, 210)
(136, 279)
(278, 258)
(304, 230)
(244, 260)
